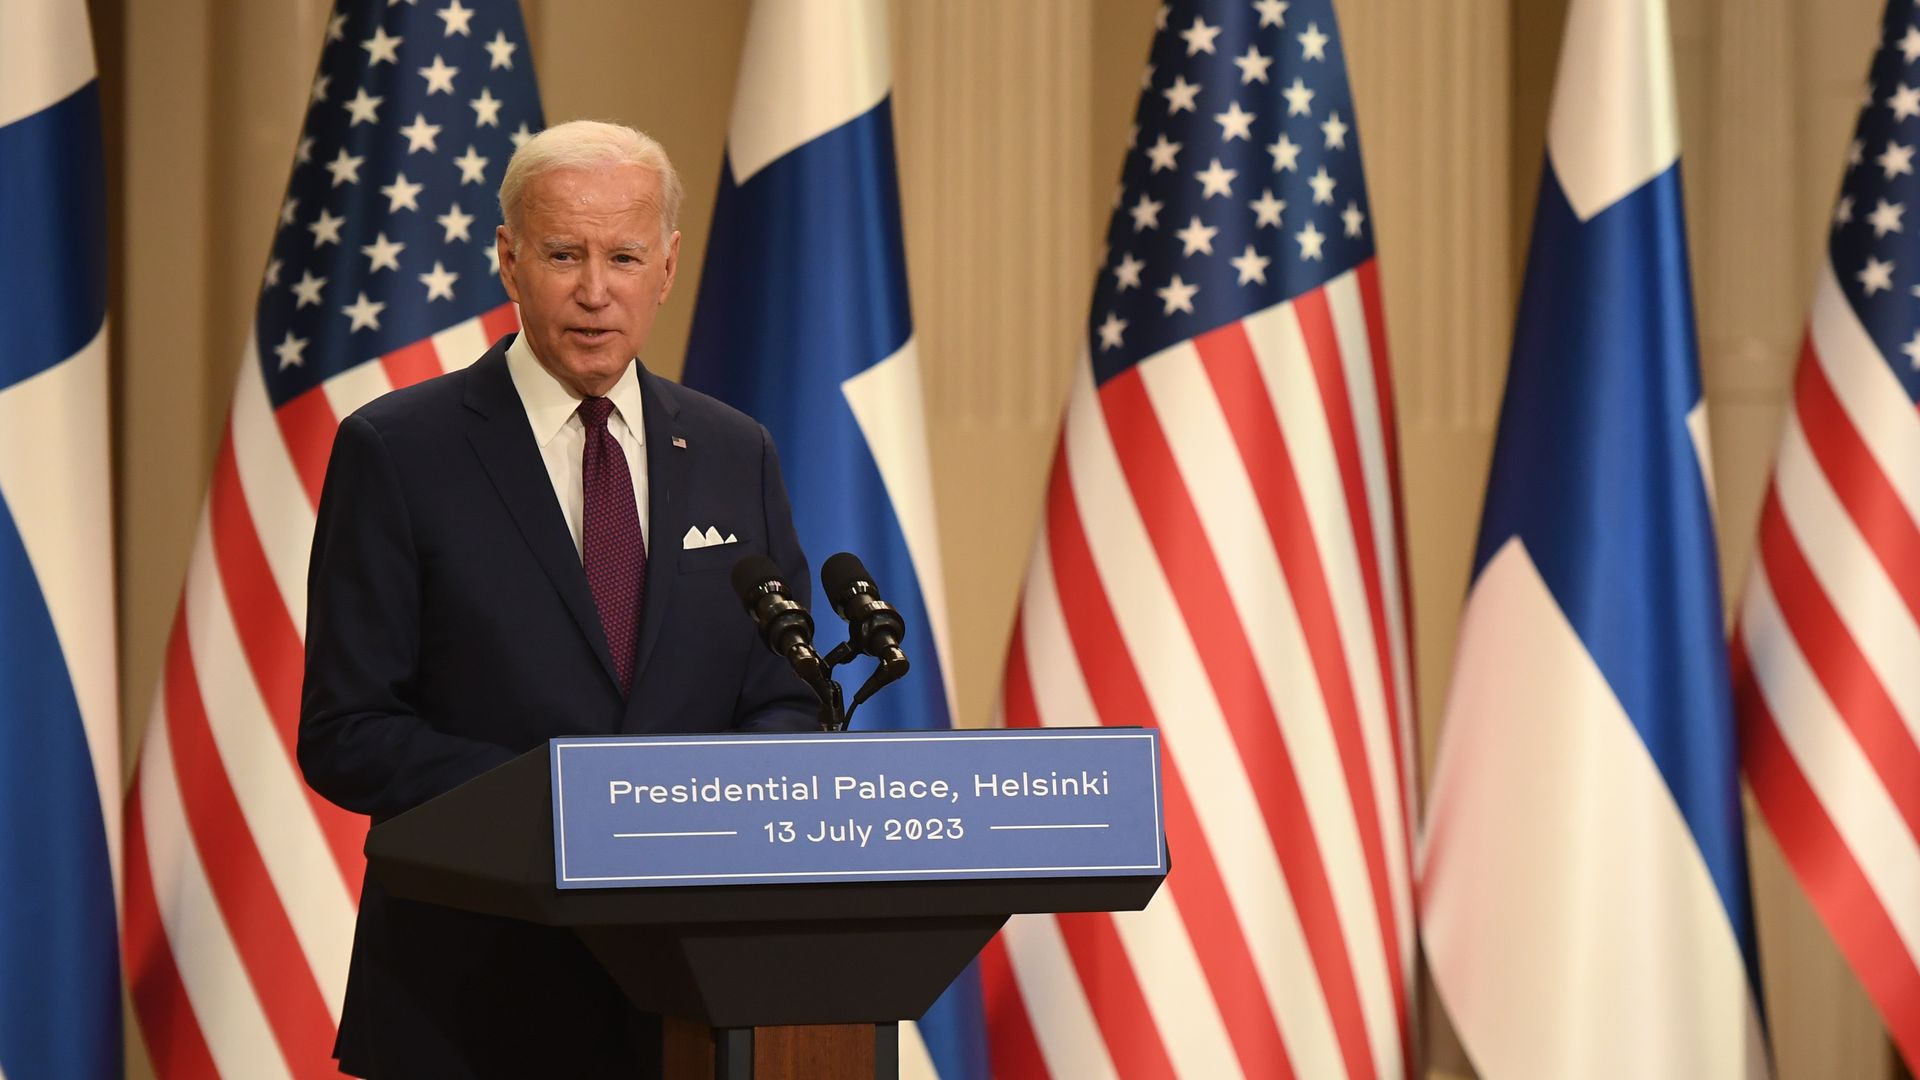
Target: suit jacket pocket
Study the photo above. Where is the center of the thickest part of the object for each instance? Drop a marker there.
(720, 557)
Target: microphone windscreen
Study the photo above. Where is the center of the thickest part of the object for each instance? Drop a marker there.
(750, 573)
(841, 571)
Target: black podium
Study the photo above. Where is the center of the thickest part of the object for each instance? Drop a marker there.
(756, 981)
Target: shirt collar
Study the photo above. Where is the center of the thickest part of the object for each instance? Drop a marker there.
(550, 403)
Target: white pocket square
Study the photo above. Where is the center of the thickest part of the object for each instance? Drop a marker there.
(711, 538)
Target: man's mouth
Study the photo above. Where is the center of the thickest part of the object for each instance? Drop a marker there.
(589, 334)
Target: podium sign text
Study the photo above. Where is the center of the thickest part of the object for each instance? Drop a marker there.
(856, 806)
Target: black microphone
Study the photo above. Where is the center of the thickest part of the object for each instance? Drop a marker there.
(785, 626)
(874, 626)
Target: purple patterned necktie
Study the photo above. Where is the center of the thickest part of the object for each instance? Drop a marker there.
(611, 546)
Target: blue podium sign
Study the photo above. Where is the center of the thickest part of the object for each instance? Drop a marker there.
(856, 806)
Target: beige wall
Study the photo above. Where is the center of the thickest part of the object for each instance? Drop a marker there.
(1011, 117)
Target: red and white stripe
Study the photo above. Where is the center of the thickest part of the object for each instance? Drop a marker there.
(1827, 656)
(241, 883)
(1220, 557)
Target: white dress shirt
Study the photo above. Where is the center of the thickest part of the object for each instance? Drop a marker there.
(552, 410)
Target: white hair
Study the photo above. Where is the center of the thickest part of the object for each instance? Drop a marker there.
(579, 144)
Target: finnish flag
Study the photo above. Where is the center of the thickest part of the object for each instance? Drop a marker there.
(803, 323)
(59, 706)
(1584, 879)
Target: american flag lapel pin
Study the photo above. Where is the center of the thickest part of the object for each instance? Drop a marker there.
(679, 443)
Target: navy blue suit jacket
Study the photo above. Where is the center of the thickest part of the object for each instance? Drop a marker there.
(450, 628)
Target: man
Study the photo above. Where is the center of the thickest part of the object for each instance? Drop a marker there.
(498, 560)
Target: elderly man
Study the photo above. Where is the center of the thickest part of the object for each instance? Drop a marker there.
(498, 560)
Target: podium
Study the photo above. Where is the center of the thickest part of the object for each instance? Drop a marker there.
(754, 980)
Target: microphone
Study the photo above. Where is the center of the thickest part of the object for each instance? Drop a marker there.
(785, 626)
(874, 626)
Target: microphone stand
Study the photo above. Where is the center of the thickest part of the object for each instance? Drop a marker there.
(832, 716)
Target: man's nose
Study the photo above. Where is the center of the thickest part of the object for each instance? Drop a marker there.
(591, 290)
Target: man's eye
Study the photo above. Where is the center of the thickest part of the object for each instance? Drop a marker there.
(563, 256)
(624, 258)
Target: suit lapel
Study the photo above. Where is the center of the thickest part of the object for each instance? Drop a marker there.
(667, 514)
(504, 443)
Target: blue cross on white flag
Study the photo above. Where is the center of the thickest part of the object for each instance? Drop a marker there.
(1585, 901)
(803, 322)
(59, 707)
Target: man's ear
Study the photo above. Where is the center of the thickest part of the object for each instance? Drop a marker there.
(673, 265)
(503, 246)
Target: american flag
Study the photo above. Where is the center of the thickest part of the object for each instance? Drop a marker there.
(1827, 651)
(241, 884)
(1220, 556)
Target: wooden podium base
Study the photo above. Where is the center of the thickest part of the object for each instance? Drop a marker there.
(691, 1050)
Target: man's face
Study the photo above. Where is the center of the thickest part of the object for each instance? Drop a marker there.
(592, 270)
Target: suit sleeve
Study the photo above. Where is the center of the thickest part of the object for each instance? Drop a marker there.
(362, 743)
(772, 697)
